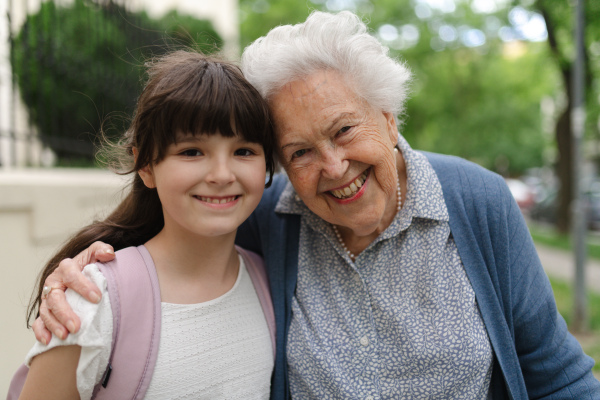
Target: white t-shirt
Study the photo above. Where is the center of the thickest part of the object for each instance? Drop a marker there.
(219, 349)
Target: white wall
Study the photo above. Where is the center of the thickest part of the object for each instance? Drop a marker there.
(39, 210)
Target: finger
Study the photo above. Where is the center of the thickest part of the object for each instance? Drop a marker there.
(103, 252)
(61, 312)
(98, 251)
(42, 334)
(68, 275)
(52, 323)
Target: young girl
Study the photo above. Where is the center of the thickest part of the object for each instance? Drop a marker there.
(200, 145)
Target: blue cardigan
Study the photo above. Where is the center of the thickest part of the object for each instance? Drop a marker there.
(535, 355)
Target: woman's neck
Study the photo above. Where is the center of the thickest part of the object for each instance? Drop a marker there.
(193, 269)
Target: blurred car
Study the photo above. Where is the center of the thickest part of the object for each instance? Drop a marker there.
(545, 208)
(523, 194)
(592, 196)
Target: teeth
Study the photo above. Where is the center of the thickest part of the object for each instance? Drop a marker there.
(216, 201)
(350, 189)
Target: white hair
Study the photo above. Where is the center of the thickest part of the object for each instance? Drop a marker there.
(338, 42)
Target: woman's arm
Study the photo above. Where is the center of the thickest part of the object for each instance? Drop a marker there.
(52, 375)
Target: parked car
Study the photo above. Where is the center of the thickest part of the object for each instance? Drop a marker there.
(523, 194)
(593, 205)
(545, 208)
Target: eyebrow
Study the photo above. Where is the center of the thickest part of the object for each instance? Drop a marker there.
(184, 139)
(292, 144)
(328, 128)
(189, 138)
(338, 118)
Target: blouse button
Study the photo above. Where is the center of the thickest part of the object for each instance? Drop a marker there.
(365, 342)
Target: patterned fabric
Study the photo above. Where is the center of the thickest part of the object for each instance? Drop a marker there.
(399, 322)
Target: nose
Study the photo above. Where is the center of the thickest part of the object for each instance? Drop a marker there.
(334, 166)
(220, 172)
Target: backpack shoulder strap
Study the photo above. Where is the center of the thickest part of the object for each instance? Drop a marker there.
(256, 269)
(17, 382)
(135, 301)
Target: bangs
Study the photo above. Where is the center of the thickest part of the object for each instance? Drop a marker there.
(191, 94)
(214, 104)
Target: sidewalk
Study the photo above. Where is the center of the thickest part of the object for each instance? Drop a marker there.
(561, 264)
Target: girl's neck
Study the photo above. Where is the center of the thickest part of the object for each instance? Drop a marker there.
(193, 269)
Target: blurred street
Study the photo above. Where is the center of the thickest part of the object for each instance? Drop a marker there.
(560, 264)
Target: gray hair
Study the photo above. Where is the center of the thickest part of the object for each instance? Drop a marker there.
(338, 42)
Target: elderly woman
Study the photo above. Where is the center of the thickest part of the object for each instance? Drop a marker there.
(394, 273)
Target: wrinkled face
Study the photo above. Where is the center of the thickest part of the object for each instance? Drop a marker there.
(337, 152)
(208, 184)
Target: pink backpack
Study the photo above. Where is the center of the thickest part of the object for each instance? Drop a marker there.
(135, 301)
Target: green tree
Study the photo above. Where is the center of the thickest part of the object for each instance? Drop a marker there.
(75, 65)
(468, 99)
(258, 17)
(483, 107)
(559, 18)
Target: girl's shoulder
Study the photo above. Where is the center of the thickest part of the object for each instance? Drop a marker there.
(94, 336)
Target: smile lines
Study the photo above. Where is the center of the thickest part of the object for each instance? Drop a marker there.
(351, 189)
(214, 200)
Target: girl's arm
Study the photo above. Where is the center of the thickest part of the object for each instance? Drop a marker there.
(52, 375)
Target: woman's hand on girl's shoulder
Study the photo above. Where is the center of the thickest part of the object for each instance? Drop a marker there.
(56, 316)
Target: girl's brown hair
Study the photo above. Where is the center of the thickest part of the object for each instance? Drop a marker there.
(186, 92)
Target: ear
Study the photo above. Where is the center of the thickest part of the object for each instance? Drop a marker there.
(145, 173)
(391, 126)
(147, 177)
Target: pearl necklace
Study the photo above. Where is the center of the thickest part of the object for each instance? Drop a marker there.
(337, 232)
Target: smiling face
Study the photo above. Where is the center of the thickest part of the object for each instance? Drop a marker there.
(337, 152)
(208, 184)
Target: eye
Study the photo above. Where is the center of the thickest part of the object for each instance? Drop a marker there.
(245, 152)
(299, 153)
(343, 130)
(191, 153)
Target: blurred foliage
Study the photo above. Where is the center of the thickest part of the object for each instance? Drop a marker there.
(563, 293)
(258, 17)
(543, 235)
(76, 65)
(560, 22)
(480, 102)
(482, 107)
